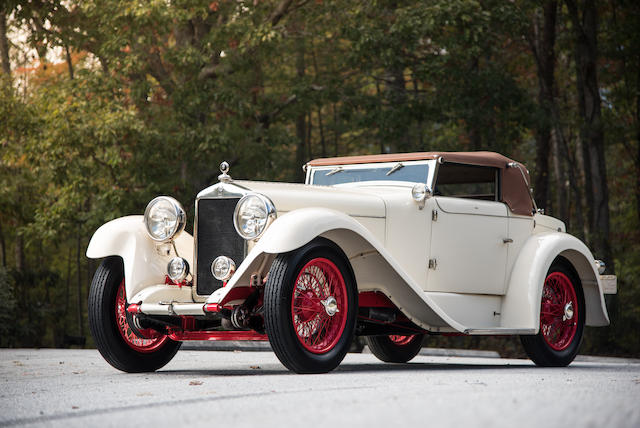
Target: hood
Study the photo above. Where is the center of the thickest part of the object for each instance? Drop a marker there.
(291, 196)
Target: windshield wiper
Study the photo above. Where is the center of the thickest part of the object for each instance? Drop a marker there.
(334, 171)
(395, 168)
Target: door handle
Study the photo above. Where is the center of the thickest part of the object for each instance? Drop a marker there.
(507, 240)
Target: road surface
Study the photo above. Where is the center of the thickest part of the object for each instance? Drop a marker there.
(76, 388)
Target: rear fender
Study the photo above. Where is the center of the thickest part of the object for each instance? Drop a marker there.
(144, 265)
(521, 306)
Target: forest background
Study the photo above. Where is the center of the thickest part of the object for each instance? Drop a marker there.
(106, 104)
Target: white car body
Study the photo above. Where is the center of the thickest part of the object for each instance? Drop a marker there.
(449, 264)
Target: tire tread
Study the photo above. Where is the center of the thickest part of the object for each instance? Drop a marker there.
(385, 350)
(105, 334)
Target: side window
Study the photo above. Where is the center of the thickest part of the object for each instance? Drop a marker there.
(468, 181)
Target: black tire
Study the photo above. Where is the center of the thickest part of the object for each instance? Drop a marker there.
(538, 348)
(389, 351)
(104, 327)
(278, 310)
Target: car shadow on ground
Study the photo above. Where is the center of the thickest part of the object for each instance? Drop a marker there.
(273, 369)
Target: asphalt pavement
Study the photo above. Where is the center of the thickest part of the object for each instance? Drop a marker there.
(77, 388)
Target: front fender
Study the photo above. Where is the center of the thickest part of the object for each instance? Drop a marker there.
(143, 264)
(299, 227)
(521, 307)
(374, 267)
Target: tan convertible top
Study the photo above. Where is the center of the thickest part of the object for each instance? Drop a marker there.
(515, 191)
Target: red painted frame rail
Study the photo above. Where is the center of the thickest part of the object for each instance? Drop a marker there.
(216, 335)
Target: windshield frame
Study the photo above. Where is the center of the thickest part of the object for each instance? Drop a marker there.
(431, 173)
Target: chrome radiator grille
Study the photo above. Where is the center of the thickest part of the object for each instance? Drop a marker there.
(215, 236)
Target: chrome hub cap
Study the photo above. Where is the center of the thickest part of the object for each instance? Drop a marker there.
(330, 305)
(568, 311)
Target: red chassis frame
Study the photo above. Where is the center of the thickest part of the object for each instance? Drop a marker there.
(187, 332)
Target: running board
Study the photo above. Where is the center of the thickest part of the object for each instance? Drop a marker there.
(500, 331)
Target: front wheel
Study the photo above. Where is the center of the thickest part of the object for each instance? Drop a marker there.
(310, 304)
(394, 348)
(125, 348)
(562, 315)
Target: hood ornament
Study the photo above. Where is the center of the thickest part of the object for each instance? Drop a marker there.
(224, 169)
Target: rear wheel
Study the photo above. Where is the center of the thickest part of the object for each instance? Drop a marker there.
(562, 316)
(122, 345)
(310, 303)
(395, 348)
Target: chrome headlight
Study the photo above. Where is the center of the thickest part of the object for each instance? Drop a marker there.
(164, 218)
(253, 213)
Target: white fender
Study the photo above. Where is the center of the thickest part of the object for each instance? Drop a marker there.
(521, 306)
(299, 227)
(143, 264)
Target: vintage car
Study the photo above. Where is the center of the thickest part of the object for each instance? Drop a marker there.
(389, 247)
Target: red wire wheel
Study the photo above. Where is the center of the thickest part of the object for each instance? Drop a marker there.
(559, 311)
(319, 305)
(395, 348)
(152, 340)
(562, 317)
(401, 340)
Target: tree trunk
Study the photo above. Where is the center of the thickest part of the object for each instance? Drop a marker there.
(398, 100)
(381, 140)
(4, 43)
(336, 133)
(475, 138)
(79, 311)
(323, 144)
(69, 62)
(20, 259)
(420, 138)
(309, 133)
(591, 130)
(67, 292)
(3, 247)
(638, 139)
(561, 206)
(301, 133)
(543, 47)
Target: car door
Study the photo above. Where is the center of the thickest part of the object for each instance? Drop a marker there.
(469, 234)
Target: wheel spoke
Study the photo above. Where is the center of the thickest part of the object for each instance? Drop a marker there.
(558, 292)
(140, 344)
(319, 280)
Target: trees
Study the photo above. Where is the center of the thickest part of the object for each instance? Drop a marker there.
(124, 101)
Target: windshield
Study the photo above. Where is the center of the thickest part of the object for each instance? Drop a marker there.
(412, 172)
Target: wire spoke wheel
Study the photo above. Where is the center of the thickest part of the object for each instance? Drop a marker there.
(559, 311)
(319, 305)
(395, 348)
(401, 340)
(151, 341)
(310, 307)
(562, 317)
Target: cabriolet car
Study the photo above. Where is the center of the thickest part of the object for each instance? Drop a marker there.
(390, 247)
